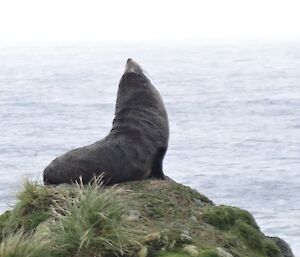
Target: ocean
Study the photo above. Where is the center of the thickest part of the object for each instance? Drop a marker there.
(234, 112)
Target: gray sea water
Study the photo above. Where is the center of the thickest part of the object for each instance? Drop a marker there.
(234, 115)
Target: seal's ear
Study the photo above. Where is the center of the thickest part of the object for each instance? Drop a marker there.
(133, 67)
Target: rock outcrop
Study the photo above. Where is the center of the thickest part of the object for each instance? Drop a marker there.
(144, 218)
(283, 246)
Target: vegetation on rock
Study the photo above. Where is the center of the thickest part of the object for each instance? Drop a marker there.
(143, 218)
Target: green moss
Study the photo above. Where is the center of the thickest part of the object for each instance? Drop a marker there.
(224, 217)
(271, 249)
(240, 229)
(221, 217)
(190, 194)
(172, 254)
(208, 253)
(157, 206)
(245, 217)
(251, 236)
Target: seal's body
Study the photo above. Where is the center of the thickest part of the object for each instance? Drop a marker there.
(135, 147)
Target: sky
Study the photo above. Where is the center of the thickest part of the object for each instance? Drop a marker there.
(145, 20)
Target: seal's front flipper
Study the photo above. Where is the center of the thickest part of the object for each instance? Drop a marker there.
(156, 170)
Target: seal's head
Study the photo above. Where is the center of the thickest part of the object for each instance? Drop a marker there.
(135, 88)
(133, 67)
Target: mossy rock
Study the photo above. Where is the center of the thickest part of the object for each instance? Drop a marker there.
(270, 248)
(224, 217)
(86, 221)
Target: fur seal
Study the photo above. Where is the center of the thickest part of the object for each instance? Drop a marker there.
(134, 148)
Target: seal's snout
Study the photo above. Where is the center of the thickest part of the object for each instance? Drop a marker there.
(133, 67)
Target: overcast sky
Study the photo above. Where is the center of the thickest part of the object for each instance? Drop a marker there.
(148, 20)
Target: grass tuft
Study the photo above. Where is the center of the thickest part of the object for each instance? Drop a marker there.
(90, 223)
(4, 218)
(32, 207)
(21, 244)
